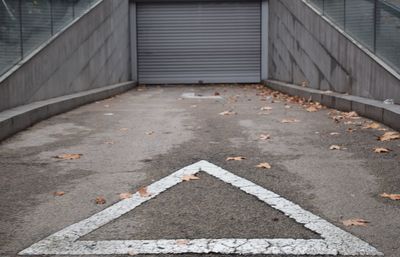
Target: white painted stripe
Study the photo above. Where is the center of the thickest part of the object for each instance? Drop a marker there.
(334, 240)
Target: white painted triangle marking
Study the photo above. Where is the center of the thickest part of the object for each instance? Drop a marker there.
(334, 240)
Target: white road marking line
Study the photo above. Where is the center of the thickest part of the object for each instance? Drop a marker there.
(334, 240)
(194, 96)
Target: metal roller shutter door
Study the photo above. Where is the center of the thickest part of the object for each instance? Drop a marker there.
(192, 42)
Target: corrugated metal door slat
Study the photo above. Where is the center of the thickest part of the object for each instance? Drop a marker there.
(188, 42)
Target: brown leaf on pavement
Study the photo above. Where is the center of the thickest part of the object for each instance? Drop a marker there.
(237, 158)
(216, 93)
(59, 193)
(264, 165)
(149, 133)
(189, 177)
(373, 125)
(123, 129)
(100, 200)
(394, 197)
(388, 136)
(355, 222)
(69, 156)
(265, 137)
(143, 192)
(266, 108)
(312, 109)
(225, 113)
(381, 150)
(126, 195)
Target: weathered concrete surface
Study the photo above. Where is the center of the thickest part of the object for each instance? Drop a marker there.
(22, 117)
(143, 135)
(304, 47)
(93, 52)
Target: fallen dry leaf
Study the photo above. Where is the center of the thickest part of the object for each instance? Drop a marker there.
(107, 105)
(335, 147)
(334, 133)
(143, 192)
(381, 150)
(59, 193)
(189, 177)
(100, 200)
(394, 197)
(237, 158)
(312, 109)
(182, 242)
(109, 142)
(265, 136)
(149, 133)
(388, 136)
(355, 222)
(264, 165)
(123, 129)
(289, 121)
(225, 113)
(69, 156)
(216, 93)
(373, 125)
(132, 253)
(126, 195)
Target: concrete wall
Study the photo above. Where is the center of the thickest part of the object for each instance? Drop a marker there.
(91, 53)
(303, 46)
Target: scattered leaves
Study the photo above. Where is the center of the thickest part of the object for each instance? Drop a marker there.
(59, 193)
(355, 222)
(143, 192)
(265, 136)
(225, 113)
(381, 150)
(69, 156)
(237, 158)
(126, 195)
(373, 125)
(264, 165)
(100, 200)
(335, 147)
(388, 136)
(394, 197)
(189, 177)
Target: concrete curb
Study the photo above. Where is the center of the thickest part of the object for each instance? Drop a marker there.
(22, 117)
(385, 113)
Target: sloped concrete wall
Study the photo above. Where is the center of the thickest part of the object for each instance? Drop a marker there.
(303, 46)
(92, 53)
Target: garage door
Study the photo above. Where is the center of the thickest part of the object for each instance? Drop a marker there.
(199, 42)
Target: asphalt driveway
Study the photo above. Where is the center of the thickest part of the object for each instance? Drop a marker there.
(320, 159)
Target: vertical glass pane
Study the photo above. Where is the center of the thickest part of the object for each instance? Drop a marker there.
(36, 23)
(388, 34)
(62, 13)
(360, 21)
(10, 41)
(334, 9)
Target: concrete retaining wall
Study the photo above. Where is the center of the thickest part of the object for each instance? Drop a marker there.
(303, 46)
(92, 53)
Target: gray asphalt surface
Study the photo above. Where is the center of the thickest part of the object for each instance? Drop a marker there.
(154, 131)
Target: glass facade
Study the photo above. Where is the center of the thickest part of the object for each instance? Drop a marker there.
(26, 24)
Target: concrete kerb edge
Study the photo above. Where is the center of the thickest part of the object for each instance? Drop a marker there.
(17, 119)
(369, 108)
